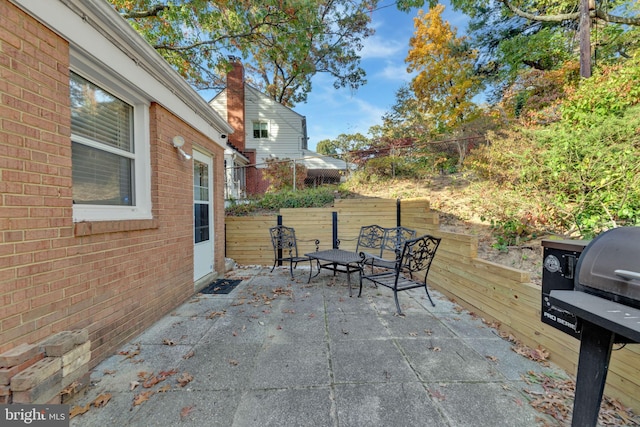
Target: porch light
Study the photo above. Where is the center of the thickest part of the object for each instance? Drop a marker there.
(178, 142)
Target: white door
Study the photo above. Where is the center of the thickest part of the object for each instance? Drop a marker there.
(202, 215)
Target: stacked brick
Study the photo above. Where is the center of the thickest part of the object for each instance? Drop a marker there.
(50, 372)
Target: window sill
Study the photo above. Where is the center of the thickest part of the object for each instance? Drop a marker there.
(89, 228)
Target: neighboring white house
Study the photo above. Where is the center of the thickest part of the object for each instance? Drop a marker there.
(264, 129)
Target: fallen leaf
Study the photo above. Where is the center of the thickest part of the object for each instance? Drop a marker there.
(233, 362)
(164, 388)
(151, 382)
(130, 354)
(108, 372)
(215, 314)
(413, 334)
(168, 342)
(133, 384)
(435, 349)
(70, 389)
(189, 355)
(79, 410)
(143, 375)
(184, 412)
(138, 399)
(185, 379)
(102, 400)
(165, 374)
(492, 358)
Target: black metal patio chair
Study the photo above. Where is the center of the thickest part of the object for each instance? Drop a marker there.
(285, 247)
(415, 259)
(383, 252)
(392, 244)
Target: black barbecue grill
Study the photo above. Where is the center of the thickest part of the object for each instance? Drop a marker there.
(592, 292)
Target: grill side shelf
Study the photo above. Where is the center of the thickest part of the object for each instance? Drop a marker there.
(616, 317)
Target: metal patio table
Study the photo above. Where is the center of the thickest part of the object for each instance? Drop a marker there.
(336, 260)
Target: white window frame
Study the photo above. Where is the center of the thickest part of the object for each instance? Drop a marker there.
(259, 123)
(104, 77)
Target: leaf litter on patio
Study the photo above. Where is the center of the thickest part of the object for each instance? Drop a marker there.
(557, 397)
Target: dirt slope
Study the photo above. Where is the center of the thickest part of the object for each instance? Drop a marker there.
(454, 198)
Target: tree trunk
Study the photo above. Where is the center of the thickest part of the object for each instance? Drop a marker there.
(585, 39)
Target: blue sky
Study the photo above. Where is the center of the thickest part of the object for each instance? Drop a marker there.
(331, 111)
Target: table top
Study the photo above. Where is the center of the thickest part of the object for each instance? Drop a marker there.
(336, 255)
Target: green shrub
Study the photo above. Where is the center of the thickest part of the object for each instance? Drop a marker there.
(272, 202)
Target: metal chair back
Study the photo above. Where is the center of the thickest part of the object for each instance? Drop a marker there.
(284, 239)
(417, 255)
(395, 238)
(370, 237)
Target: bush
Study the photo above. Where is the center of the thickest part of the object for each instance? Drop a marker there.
(272, 202)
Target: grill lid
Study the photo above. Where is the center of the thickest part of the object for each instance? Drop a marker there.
(610, 266)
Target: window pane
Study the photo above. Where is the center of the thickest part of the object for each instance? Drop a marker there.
(100, 116)
(201, 215)
(200, 181)
(101, 178)
(260, 130)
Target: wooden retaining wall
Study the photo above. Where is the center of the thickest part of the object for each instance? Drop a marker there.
(492, 291)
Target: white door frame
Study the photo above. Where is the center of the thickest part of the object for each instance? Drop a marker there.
(203, 229)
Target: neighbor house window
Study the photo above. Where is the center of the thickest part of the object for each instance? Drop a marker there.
(109, 153)
(260, 129)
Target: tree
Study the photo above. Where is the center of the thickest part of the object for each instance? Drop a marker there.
(282, 42)
(446, 83)
(327, 147)
(284, 174)
(504, 31)
(342, 145)
(405, 120)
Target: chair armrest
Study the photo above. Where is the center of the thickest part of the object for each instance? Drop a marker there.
(377, 261)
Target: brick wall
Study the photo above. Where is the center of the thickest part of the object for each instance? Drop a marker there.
(114, 278)
(235, 105)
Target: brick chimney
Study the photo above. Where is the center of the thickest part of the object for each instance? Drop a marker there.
(235, 104)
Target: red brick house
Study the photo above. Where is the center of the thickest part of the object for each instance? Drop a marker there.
(104, 223)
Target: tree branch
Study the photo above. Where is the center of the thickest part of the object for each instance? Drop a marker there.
(541, 18)
(154, 11)
(598, 13)
(601, 14)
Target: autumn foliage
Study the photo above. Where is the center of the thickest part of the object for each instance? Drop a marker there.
(446, 82)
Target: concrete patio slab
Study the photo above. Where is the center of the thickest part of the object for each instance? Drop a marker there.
(278, 351)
